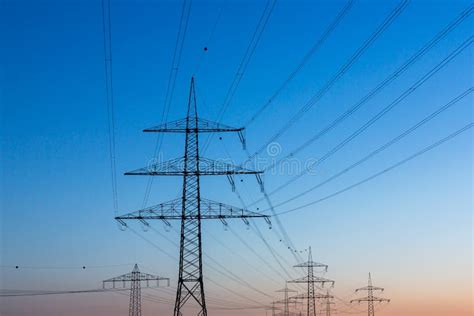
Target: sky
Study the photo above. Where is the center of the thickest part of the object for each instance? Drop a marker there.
(411, 227)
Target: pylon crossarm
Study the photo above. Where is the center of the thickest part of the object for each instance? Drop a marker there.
(172, 210)
(312, 264)
(370, 299)
(203, 126)
(134, 276)
(313, 279)
(176, 167)
(291, 300)
(370, 287)
(141, 277)
(150, 277)
(316, 295)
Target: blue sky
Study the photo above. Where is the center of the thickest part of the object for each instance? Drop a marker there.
(411, 227)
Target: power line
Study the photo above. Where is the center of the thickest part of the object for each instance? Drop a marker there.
(393, 76)
(229, 274)
(262, 23)
(107, 31)
(385, 146)
(257, 34)
(304, 61)
(259, 234)
(396, 165)
(83, 267)
(207, 43)
(42, 293)
(154, 245)
(241, 258)
(321, 92)
(384, 111)
(177, 53)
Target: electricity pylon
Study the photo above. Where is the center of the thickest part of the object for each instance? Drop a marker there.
(310, 279)
(370, 298)
(286, 300)
(328, 309)
(317, 296)
(135, 278)
(191, 208)
(273, 308)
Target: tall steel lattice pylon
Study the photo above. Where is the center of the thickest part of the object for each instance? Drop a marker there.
(286, 300)
(191, 208)
(310, 280)
(328, 309)
(370, 298)
(273, 308)
(135, 278)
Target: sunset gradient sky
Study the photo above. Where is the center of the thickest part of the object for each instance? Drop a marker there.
(411, 227)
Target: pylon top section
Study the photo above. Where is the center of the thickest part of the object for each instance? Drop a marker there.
(370, 290)
(370, 286)
(311, 264)
(135, 275)
(193, 124)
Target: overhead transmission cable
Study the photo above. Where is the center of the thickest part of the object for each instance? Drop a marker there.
(381, 113)
(207, 43)
(177, 53)
(262, 23)
(327, 33)
(83, 267)
(107, 32)
(343, 70)
(257, 231)
(380, 149)
(388, 20)
(388, 169)
(227, 273)
(42, 293)
(384, 83)
(232, 277)
(257, 34)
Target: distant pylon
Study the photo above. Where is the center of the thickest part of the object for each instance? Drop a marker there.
(370, 298)
(273, 309)
(135, 278)
(191, 208)
(286, 300)
(328, 309)
(310, 280)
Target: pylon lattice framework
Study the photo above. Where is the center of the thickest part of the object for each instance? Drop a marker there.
(286, 300)
(370, 298)
(328, 309)
(135, 278)
(192, 207)
(310, 280)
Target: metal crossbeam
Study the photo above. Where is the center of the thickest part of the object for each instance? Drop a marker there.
(205, 167)
(204, 126)
(172, 210)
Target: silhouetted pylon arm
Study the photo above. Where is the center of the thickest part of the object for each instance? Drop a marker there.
(313, 279)
(373, 299)
(172, 210)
